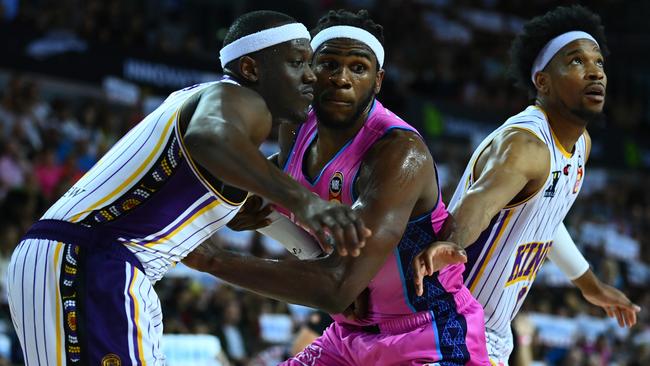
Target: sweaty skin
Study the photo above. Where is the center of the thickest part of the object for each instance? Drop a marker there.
(396, 182)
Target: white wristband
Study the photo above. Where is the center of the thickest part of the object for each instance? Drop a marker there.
(297, 241)
(566, 255)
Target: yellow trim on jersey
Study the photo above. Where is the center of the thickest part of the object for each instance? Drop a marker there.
(136, 309)
(495, 243)
(57, 306)
(557, 142)
(196, 171)
(559, 146)
(200, 212)
(135, 174)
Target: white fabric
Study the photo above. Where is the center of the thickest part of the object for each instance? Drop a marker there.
(566, 255)
(262, 39)
(346, 31)
(553, 46)
(297, 241)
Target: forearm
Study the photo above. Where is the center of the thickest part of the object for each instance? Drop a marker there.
(233, 158)
(588, 283)
(310, 283)
(471, 217)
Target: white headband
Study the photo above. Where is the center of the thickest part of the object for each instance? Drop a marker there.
(553, 46)
(346, 31)
(262, 39)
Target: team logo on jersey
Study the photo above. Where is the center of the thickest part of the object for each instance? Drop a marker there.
(550, 191)
(72, 320)
(566, 169)
(576, 186)
(528, 260)
(336, 186)
(111, 359)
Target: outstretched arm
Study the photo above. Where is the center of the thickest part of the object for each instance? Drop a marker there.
(568, 258)
(333, 283)
(514, 165)
(223, 134)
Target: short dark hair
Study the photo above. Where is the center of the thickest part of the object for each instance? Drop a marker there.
(361, 19)
(540, 30)
(254, 22)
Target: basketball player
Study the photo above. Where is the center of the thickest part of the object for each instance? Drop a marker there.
(523, 178)
(80, 282)
(354, 150)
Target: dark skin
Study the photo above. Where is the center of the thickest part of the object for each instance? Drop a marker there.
(516, 164)
(224, 125)
(400, 162)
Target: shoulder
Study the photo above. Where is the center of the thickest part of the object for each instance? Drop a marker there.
(522, 150)
(399, 151)
(235, 99)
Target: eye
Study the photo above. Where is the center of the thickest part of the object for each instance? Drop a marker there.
(297, 63)
(600, 62)
(358, 68)
(576, 61)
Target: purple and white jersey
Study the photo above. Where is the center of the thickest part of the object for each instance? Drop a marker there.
(503, 262)
(147, 192)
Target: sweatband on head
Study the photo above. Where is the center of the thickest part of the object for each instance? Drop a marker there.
(357, 34)
(262, 39)
(555, 45)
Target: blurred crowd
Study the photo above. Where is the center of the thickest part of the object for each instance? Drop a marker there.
(453, 56)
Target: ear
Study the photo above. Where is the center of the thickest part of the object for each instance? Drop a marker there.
(378, 80)
(542, 82)
(248, 68)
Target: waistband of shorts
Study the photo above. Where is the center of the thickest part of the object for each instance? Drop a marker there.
(92, 239)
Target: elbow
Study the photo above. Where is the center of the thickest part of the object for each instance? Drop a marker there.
(338, 294)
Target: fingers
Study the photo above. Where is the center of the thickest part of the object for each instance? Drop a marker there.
(419, 271)
(619, 318)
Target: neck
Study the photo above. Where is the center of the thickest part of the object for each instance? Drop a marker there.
(566, 127)
(331, 140)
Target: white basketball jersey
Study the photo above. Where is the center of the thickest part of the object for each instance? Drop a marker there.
(145, 190)
(503, 262)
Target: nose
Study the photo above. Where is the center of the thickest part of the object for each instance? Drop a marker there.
(309, 77)
(595, 72)
(340, 77)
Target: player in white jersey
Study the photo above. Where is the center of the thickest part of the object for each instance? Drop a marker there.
(80, 282)
(523, 178)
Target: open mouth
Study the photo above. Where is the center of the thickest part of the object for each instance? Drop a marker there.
(595, 90)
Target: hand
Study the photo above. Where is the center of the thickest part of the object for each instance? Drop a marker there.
(252, 215)
(615, 304)
(434, 258)
(202, 257)
(334, 225)
(359, 308)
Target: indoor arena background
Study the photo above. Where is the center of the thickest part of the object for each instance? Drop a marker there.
(75, 75)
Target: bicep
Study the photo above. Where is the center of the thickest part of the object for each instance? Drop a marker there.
(511, 165)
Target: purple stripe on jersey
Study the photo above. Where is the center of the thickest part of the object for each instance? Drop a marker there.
(38, 354)
(22, 298)
(177, 195)
(480, 264)
(503, 268)
(132, 300)
(118, 170)
(198, 231)
(47, 254)
(474, 250)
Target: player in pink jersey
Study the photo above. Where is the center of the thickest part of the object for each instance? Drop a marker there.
(353, 150)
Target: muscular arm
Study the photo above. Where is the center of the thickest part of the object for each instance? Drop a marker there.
(223, 136)
(394, 176)
(515, 163)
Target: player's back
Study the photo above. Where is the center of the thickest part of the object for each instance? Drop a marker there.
(503, 262)
(148, 194)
